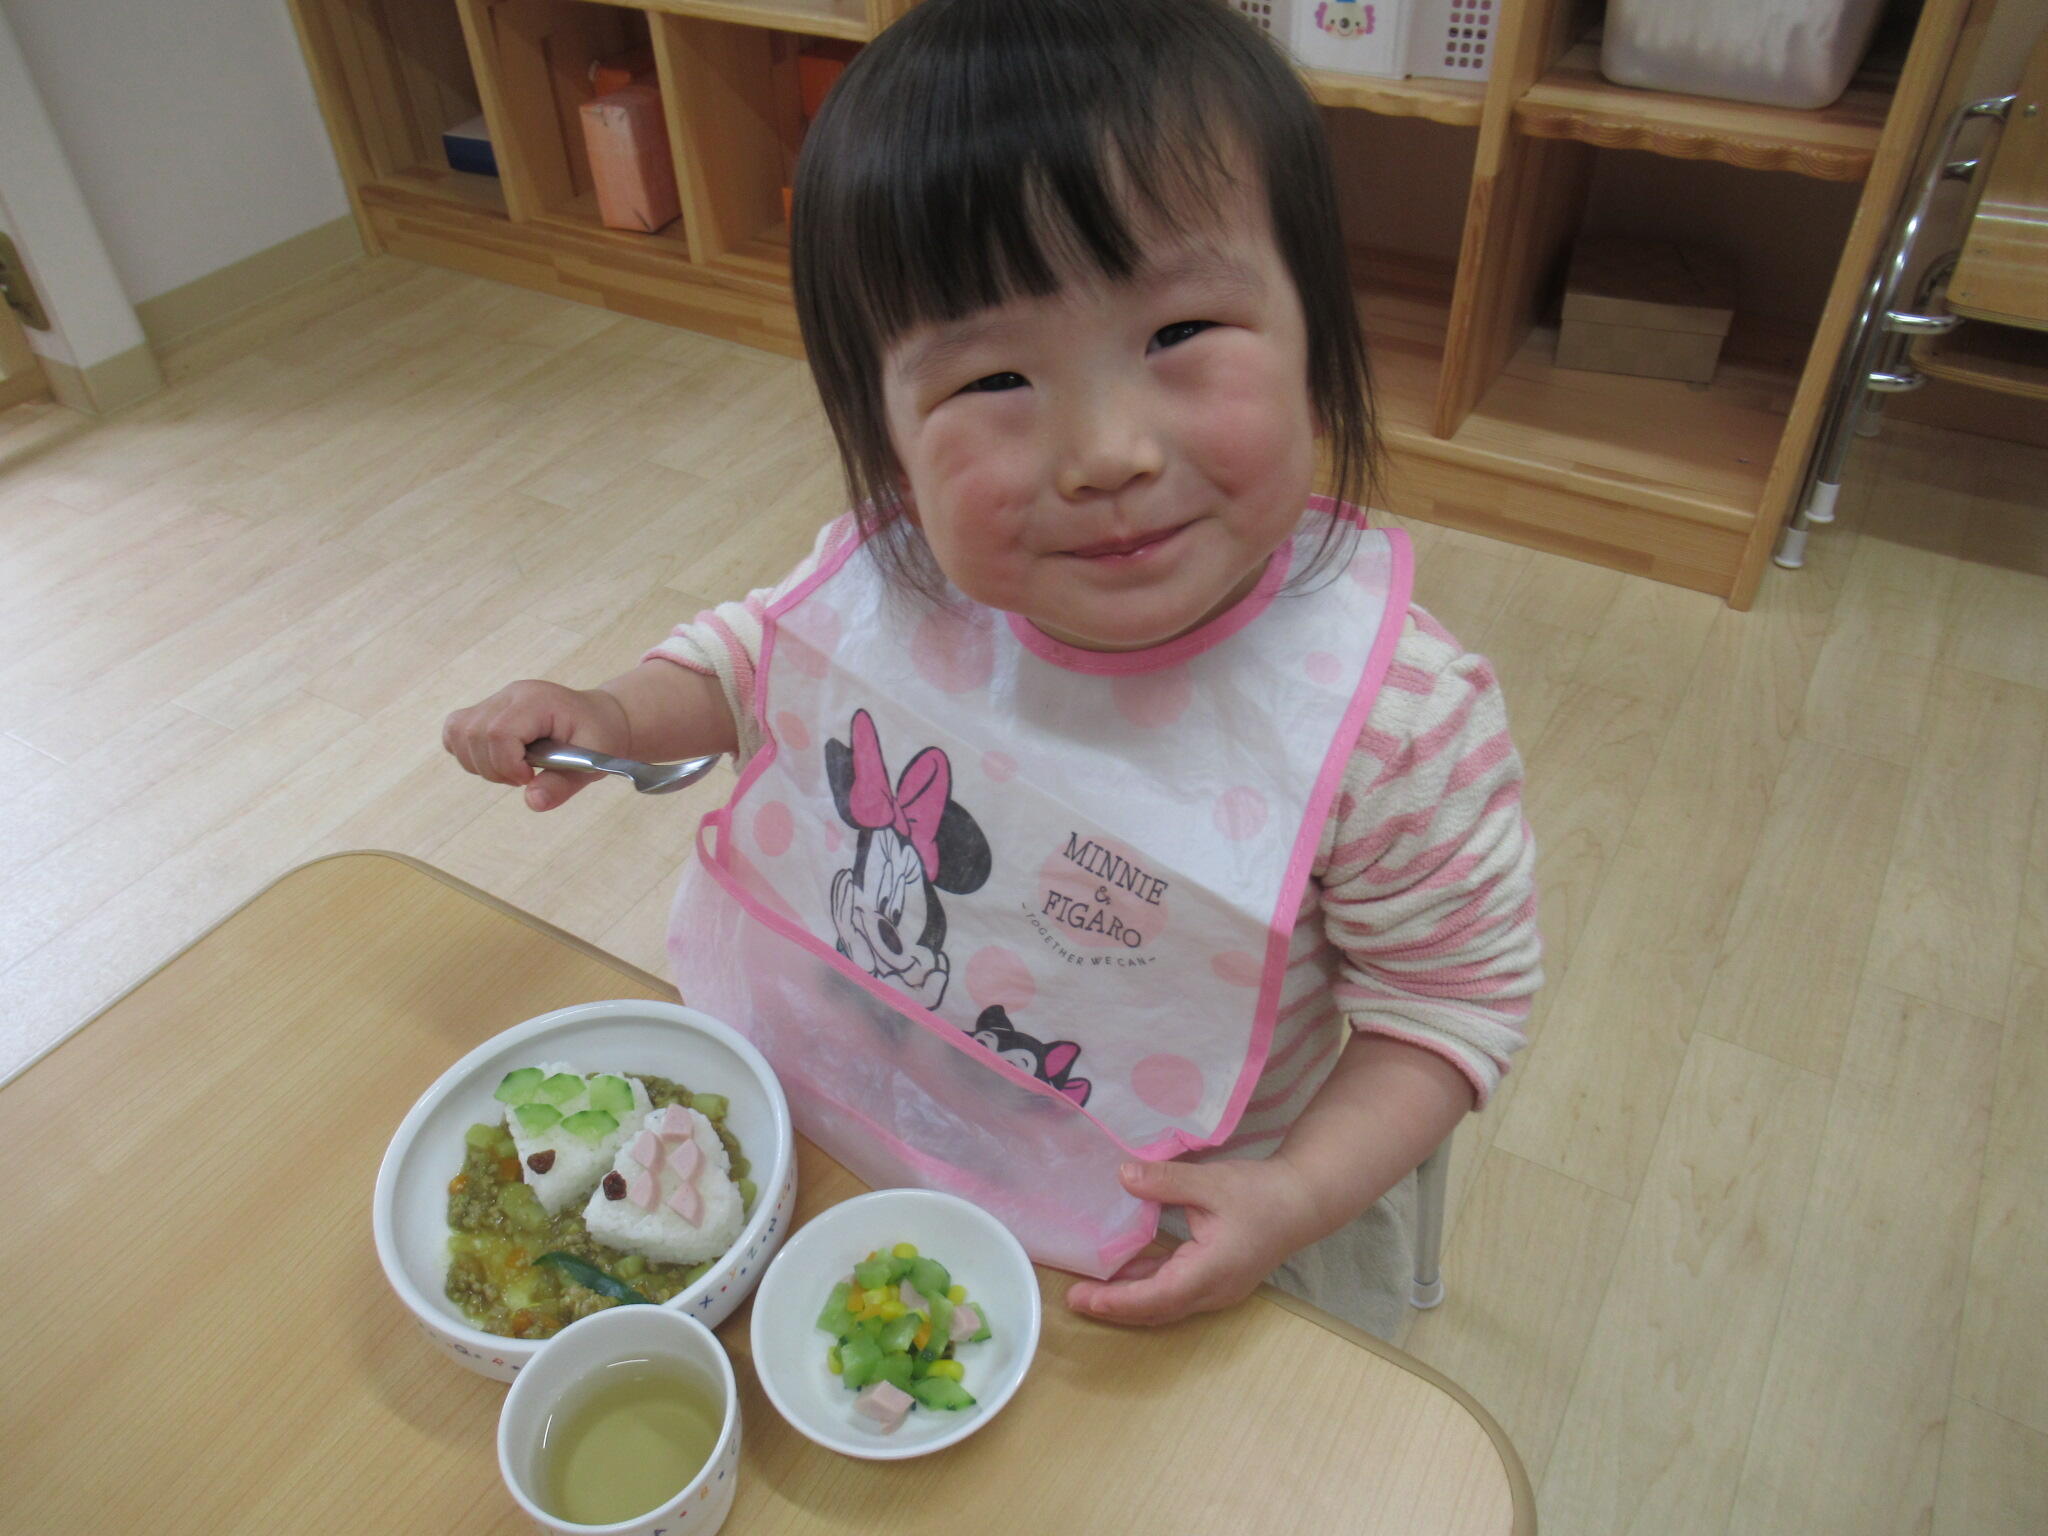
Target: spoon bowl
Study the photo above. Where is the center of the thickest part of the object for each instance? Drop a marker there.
(647, 778)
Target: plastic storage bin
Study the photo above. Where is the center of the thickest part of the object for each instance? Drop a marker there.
(1781, 53)
(1448, 39)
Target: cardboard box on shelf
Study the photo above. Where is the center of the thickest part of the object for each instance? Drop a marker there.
(630, 161)
(1647, 308)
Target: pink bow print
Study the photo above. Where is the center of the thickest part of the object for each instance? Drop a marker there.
(916, 806)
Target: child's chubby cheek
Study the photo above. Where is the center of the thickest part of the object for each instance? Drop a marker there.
(975, 496)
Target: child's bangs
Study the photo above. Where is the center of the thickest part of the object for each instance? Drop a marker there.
(997, 216)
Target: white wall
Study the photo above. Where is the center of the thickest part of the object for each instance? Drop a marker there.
(41, 207)
(190, 126)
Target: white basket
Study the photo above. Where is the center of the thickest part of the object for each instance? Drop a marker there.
(1782, 53)
(1447, 39)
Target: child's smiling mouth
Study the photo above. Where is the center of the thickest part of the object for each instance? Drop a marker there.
(1127, 550)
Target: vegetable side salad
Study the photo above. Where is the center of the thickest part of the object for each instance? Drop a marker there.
(897, 1321)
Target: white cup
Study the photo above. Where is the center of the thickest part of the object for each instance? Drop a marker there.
(565, 1366)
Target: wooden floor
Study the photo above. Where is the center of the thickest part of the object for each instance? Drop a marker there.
(1747, 1242)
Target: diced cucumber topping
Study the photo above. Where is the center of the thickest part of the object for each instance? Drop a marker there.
(897, 1335)
(537, 1119)
(712, 1106)
(519, 1085)
(942, 1321)
(485, 1136)
(561, 1088)
(591, 1125)
(612, 1094)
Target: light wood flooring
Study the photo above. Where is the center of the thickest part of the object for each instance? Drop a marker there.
(1752, 1240)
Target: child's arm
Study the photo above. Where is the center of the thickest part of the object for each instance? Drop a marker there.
(658, 712)
(1385, 1106)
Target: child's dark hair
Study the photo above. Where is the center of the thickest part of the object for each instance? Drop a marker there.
(979, 148)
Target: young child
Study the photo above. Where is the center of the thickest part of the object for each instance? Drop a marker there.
(1112, 833)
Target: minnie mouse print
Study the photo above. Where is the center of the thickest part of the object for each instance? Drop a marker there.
(913, 843)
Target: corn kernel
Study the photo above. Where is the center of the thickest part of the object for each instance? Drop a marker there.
(832, 1362)
(889, 1311)
(951, 1369)
(957, 1294)
(904, 1251)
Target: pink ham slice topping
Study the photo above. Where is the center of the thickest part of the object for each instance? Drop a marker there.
(885, 1403)
(669, 1144)
(966, 1323)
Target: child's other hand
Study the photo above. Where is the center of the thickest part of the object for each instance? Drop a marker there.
(490, 739)
(1245, 1217)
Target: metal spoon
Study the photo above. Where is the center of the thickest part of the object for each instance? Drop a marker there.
(648, 778)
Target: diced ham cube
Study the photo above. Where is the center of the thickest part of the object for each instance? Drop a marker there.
(885, 1403)
(907, 1294)
(687, 1203)
(646, 1149)
(640, 1188)
(966, 1323)
(685, 1160)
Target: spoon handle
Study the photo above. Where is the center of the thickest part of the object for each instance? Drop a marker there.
(555, 754)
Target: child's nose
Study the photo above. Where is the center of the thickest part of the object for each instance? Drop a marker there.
(1108, 445)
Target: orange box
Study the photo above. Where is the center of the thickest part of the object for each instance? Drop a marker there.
(615, 74)
(630, 159)
(818, 69)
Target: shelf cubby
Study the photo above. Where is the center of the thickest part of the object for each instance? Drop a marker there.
(1572, 100)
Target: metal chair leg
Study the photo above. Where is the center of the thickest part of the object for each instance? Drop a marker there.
(1431, 1181)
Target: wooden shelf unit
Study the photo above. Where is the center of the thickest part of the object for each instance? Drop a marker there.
(1681, 483)
(1573, 101)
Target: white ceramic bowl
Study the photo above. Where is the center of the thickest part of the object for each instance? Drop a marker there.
(410, 1211)
(789, 1348)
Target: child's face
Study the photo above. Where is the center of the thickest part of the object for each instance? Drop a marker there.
(1116, 462)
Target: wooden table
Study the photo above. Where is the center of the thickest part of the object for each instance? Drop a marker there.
(197, 1337)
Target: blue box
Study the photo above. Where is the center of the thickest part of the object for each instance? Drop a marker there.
(468, 147)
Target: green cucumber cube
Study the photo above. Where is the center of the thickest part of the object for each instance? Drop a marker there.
(940, 1392)
(485, 1136)
(897, 1335)
(537, 1119)
(859, 1358)
(942, 1320)
(894, 1369)
(929, 1276)
(872, 1274)
(835, 1319)
(712, 1106)
(561, 1088)
(518, 1086)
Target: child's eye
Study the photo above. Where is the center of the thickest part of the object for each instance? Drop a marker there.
(995, 383)
(1178, 332)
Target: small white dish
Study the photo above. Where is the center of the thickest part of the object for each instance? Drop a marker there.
(571, 1364)
(409, 1213)
(789, 1347)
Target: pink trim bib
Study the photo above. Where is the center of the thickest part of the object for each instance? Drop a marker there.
(1003, 913)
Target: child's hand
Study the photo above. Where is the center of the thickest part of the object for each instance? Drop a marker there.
(1245, 1217)
(490, 739)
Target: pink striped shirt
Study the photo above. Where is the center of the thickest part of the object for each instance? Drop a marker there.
(1420, 919)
